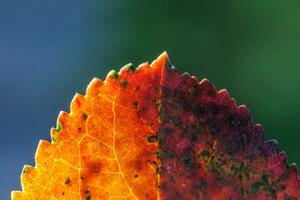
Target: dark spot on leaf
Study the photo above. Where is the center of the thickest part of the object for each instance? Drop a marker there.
(203, 186)
(84, 116)
(187, 159)
(265, 178)
(87, 195)
(233, 122)
(68, 181)
(200, 110)
(135, 104)
(95, 169)
(123, 83)
(156, 102)
(152, 138)
(205, 154)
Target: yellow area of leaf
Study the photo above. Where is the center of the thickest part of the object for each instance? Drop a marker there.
(100, 150)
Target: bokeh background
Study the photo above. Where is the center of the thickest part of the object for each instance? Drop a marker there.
(51, 49)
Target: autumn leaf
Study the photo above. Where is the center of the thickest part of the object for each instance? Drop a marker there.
(153, 133)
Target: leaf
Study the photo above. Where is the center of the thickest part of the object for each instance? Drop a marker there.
(152, 133)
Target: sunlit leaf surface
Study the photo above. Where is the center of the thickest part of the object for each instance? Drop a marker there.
(153, 133)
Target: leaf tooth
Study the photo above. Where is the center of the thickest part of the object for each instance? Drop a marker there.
(143, 65)
(128, 68)
(224, 96)
(18, 195)
(79, 107)
(282, 157)
(223, 92)
(94, 86)
(293, 172)
(54, 135)
(244, 111)
(207, 88)
(112, 75)
(259, 134)
(59, 132)
(43, 153)
(77, 103)
(185, 74)
(62, 119)
(27, 177)
(271, 147)
(205, 81)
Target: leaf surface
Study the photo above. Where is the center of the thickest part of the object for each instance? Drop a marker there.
(153, 133)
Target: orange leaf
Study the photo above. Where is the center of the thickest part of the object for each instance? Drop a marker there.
(152, 133)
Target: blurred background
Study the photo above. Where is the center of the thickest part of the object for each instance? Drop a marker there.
(51, 49)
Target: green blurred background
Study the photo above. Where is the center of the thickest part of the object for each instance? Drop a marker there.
(51, 49)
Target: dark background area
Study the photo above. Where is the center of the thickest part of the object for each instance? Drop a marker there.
(51, 49)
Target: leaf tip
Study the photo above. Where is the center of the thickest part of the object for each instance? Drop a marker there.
(162, 60)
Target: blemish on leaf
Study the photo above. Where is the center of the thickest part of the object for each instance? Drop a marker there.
(152, 138)
(203, 186)
(158, 90)
(87, 195)
(123, 83)
(157, 102)
(187, 159)
(68, 181)
(95, 169)
(135, 104)
(84, 116)
(205, 155)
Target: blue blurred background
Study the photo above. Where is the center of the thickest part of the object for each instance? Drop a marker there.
(51, 49)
